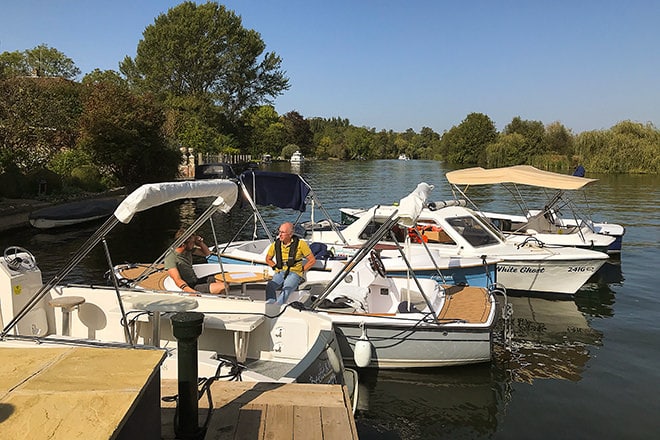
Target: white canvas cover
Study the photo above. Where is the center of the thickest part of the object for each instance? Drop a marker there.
(518, 174)
(156, 194)
(411, 205)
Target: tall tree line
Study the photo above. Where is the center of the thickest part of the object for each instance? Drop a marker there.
(201, 80)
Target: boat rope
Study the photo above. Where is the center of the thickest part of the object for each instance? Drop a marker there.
(204, 388)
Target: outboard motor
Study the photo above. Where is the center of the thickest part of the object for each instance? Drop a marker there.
(20, 279)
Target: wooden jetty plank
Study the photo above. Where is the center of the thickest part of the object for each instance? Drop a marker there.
(257, 410)
(279, 420)
(307, 423)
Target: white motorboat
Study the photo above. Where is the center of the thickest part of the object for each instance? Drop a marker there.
(297, 157)
(292, 192)
(563, 220)
(248, 340)
(453, 230)
(403, 156)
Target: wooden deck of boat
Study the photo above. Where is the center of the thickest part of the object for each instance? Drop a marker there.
(155, 280)
(257, 410)
(470, 304)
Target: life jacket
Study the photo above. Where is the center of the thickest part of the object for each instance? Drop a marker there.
(293, 250)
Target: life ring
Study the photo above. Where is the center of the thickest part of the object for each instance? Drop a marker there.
(376, 264)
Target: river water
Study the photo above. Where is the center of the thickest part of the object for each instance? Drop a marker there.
(580, 368)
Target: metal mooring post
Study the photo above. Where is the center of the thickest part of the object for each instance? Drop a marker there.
(187, 326)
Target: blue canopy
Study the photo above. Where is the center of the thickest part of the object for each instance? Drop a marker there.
(283, 190)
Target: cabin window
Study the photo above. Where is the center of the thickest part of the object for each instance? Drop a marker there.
(373, 226)
(473, 231)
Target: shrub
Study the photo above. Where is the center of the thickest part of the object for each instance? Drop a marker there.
(12, 183)
(87, 178)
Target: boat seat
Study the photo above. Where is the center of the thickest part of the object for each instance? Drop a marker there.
(68, 305)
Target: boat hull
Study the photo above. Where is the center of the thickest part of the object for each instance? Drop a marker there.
(564, 277)
(396, 346)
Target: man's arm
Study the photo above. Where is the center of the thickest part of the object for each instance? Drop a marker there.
(176, 276)
(310, 259)
(201, 248)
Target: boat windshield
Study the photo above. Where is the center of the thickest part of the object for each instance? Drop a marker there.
(473, 231)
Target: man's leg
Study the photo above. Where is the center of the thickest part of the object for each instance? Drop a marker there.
(274, 285)
(290, 284)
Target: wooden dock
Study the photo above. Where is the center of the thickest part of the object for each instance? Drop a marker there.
(79, 393)
(257, 410)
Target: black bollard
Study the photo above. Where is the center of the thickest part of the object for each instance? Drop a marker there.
(187, 326)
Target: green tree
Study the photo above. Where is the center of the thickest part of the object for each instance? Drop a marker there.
(466, 143)
(40, 61)
(121, 132)
(558, 139)
(203, 50)
(506, 151)
(533, 132)
(98, 76)
(298, 131)
(267, 133)
(38, 118)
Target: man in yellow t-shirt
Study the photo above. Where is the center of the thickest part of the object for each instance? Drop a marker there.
(285, 255)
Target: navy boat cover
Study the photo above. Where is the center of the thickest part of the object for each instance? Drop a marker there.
(284, 190)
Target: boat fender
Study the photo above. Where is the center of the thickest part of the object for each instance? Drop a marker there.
(362, 352)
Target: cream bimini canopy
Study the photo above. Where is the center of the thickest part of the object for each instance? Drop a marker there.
(519, 174)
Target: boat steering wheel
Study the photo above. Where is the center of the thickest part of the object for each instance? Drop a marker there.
(376, 263)
(26, 261)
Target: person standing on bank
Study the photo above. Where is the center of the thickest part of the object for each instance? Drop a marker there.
(285, 255)
(179, 266)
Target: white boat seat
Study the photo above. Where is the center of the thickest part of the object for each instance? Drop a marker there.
(68, 305)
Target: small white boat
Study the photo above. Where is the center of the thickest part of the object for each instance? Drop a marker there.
(451, 230)
(73, 213)
(251, 340)
(403, 156)
(297, 157)
(563, 221)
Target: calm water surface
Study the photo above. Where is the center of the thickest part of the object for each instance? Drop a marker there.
(582, 368)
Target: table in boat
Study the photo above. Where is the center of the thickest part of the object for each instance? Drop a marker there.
(243, 278)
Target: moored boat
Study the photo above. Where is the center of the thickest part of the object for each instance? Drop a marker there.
(297, 157)
(244, 339)
(73, 213)
(451, 230)
(380, 321)
(562, 221)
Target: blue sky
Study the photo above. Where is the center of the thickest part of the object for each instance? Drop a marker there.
(406, 64)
